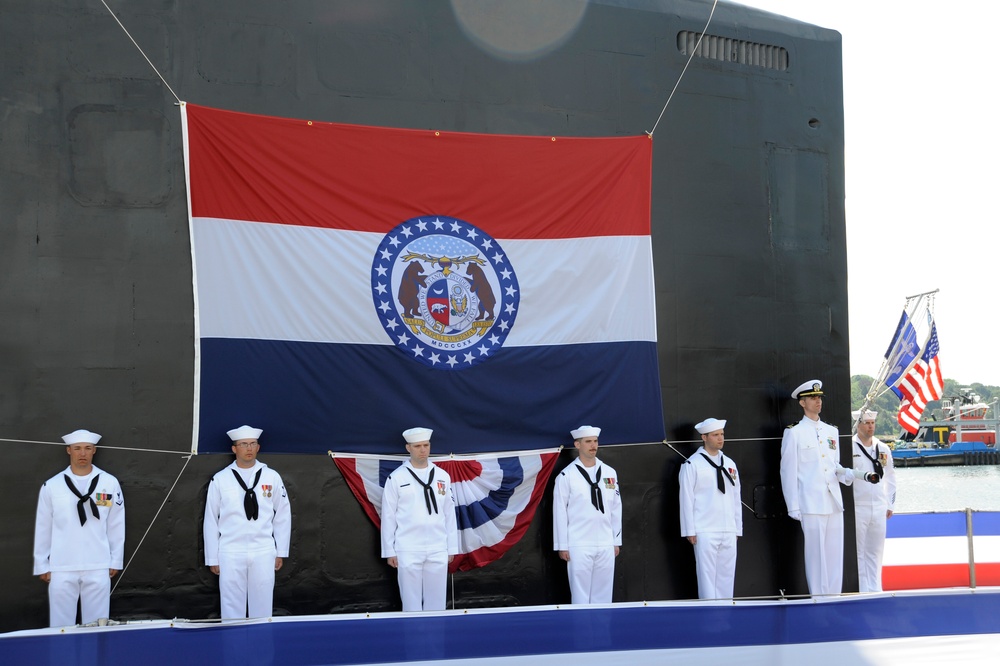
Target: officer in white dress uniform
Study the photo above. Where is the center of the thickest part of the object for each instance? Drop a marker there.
(419, 533)
(248, 527)
(79, 535)
(873, 501)
(810, 476)
(587, 520)
(711, 511)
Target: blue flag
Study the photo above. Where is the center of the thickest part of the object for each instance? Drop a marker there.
(901, 352)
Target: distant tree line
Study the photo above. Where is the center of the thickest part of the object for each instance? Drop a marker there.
(887, 404)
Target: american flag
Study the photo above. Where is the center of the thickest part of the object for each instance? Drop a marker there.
(920, 385)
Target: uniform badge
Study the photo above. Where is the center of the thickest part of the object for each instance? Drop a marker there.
(609, 483)
(444, 291)
(732, 473)
(102, 499)
(266, 491)
(883, 458)
(440, 485)
(832, 443)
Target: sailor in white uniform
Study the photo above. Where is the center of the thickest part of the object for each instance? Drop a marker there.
(248, 527)
(711, 511)
(587, 520)
(79, 535)
(419, 533)
(873, 501)
(810, 476)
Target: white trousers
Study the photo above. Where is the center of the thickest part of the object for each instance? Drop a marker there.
(869, 531)
(246, 584)
(423, 579)
(591, 572)
(92, 588)
(824, 551)
(715, 561)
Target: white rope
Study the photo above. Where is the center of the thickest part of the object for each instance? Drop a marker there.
(690, 58)
(750, 508)
(122, 573)
(102, 446)
(141, 51)
(444, 457)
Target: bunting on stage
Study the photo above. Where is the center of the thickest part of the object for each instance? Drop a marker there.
(352, 282)
(495, 496)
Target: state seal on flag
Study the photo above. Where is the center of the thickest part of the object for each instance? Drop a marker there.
(444, 291)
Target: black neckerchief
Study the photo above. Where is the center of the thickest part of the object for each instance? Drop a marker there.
(596, 498)
(429, 499)
(84, 497)
(720, 473)
(249, 497)
(876, 464)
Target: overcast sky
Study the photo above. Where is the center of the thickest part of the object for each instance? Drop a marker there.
(922, 144)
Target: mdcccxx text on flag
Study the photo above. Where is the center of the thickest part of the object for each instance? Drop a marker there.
(352, 282)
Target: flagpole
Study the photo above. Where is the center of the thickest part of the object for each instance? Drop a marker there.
(926, 293)
(879, 386)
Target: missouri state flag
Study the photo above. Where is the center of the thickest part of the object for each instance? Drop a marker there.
(496, 496)
(351, 282)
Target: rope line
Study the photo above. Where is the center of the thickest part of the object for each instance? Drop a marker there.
(150, 526)
(683, 71)
(125, 30)
(102, 446)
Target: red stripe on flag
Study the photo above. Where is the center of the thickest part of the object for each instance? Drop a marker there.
(988, 573)
(461, 470)
(284, 171)
(920, 576)
(350, 473)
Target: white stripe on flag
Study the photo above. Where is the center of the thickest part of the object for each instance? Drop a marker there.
(368, 471)
(926, 550)
(282, 282)
(986, 548)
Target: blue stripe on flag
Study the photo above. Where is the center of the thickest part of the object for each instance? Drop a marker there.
(385, 468)
(521, 399)
(986, 523)
(903, 525)
(496, 502)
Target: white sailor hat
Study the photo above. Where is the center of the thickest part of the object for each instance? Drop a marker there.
(82, 437)
(414, 435)
(806, 389)
(585, 431)
(244, 432)
(710, 425)
(868, 415)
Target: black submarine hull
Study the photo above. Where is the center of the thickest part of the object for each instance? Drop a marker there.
(748, 240)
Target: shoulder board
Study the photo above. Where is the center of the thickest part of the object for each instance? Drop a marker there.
(791, 426)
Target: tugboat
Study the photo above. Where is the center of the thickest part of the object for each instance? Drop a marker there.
(962, 436)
